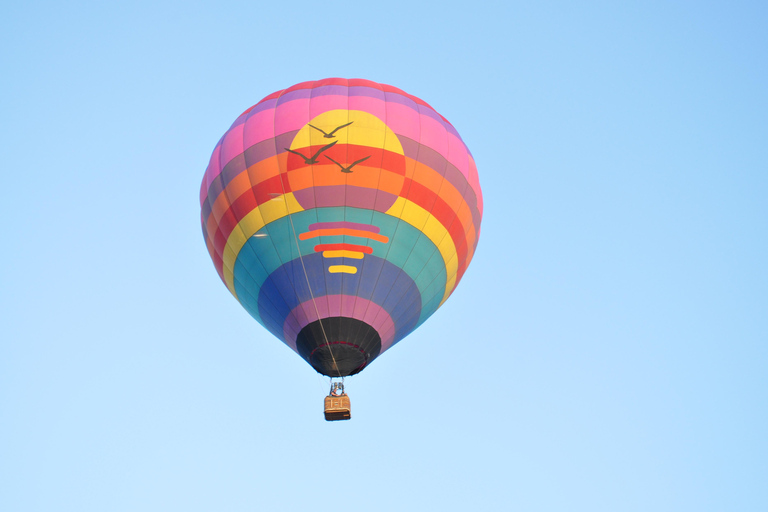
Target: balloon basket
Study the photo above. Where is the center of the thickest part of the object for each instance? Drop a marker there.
(337, 406)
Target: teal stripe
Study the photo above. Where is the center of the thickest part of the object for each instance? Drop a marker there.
(408, 248)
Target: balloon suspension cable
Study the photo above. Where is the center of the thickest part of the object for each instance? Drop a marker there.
(304, 268)
(337, 388)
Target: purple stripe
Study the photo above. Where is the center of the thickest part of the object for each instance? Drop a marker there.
(339, 305)
(293, 95)
(326, 90)
(344, 224)
(360, 90)
(345, 195)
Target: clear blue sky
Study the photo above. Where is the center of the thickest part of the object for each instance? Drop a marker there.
(607, 349)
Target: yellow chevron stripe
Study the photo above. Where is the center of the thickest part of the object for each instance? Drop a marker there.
(425, 222)
(249, 225)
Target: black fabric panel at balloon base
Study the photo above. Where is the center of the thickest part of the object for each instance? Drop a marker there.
(351, 345)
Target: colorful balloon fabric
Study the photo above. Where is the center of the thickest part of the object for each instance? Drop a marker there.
(341, 214)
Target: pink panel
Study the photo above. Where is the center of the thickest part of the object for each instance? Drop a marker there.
(291, 115)
(371, 105)
(338, 305)
(260, 127)
(203, 192)
(322, 104)
(214, 169)
(457, 154)
(474, 182)
(232, 145)
(403, 120)
(433, 135)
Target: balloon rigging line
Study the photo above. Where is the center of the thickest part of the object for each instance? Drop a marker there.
(306, 276)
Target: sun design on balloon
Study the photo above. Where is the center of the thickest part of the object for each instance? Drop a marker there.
(345, 158)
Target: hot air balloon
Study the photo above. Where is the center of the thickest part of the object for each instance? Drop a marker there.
(341, 214)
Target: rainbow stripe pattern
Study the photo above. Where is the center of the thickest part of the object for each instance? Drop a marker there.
(341, 214)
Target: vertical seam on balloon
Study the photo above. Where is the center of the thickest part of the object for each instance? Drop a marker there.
(429, 298)
(236, 281)
(468, 257)
(447, 228)
(372, 210)
(420, 229)
(284, 266)
(311, 91)
(391, 244)
(326, 274)
(371, 331)
(269, 226)
(344, 238)
(228, 196)
(316, 208)
(465, 231)
(298, 248)
(247, 242)
(455, 214)
(404, 315)
(396, 320)
(248, 175)
(211, 201)
(252, 250)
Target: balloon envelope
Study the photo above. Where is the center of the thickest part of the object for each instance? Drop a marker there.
(341, 214)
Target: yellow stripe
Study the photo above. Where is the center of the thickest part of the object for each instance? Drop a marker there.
(403, 209)
(343, 254)
(249, 225)
(424, 221)
(345, 269)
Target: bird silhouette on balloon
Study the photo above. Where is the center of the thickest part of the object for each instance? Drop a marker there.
(331, 135)
(349, 168)
(313, 159)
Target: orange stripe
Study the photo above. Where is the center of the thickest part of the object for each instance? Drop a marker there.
(427, 176)
(343, 231)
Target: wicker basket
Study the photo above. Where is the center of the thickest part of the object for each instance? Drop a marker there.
(337, 408)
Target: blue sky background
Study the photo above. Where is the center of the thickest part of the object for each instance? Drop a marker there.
(607, 349)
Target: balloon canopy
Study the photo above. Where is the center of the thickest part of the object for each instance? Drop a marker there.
(341, 214)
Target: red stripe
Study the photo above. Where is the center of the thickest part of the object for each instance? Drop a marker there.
(345, 154)
(344, 247)
(243, 205)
